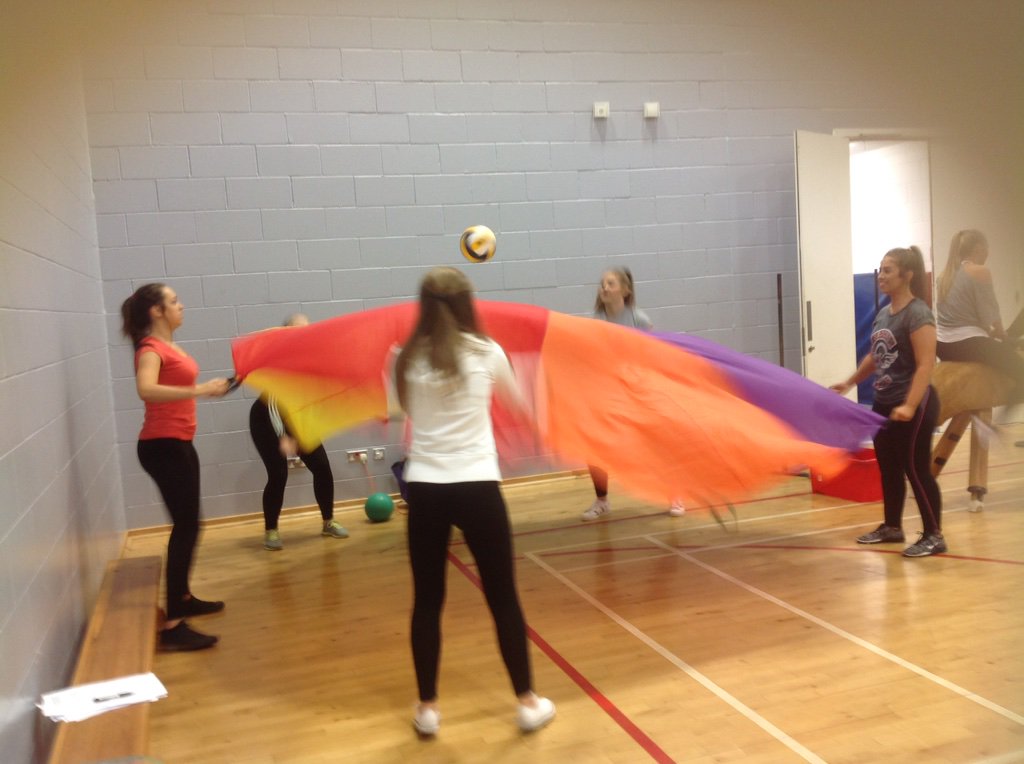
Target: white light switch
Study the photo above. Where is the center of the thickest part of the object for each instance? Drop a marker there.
(652, 110)
(601, 109)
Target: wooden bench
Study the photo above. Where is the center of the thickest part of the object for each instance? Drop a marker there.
(120, 640)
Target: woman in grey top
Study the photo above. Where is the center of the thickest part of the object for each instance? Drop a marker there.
(616, 304)
(901, 359)
(968, 323)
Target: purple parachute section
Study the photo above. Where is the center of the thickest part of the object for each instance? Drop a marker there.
(816, 412)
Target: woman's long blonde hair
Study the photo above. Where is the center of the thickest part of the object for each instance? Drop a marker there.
(960, 249)
(446, 313)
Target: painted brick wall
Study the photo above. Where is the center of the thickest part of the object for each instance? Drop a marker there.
(268, 157)
(62, 512)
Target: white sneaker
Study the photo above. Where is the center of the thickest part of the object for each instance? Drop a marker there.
(427, 721)
(598, 508)
(677, 509)
(530, 719)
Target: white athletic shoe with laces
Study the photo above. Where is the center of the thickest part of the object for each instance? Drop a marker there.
(598, 508)
(677, 509)
(530, 719)
(427, 721)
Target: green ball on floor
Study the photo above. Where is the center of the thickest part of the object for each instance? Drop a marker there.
(379, 507)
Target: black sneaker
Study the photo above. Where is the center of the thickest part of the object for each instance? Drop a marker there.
(928, 544)
(883, 534)
(195, 606)
(181, 637)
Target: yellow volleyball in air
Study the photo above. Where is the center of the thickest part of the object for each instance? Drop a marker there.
(477, 244)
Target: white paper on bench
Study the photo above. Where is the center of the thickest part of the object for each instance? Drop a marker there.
(83, 701)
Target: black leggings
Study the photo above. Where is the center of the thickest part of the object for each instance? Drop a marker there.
(478, 509)
(268, 445)
(174, 466)
(904, 449)
(600, 480)
(1001, 355)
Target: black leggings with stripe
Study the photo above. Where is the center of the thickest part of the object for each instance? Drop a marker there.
(904, 450)
(268, 445)
(478, 510)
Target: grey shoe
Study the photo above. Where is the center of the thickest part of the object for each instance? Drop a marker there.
(334, 529)
(272, 541)
(927, 545)
(883, 534)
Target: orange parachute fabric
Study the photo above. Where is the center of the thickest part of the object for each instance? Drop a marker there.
(665, 423)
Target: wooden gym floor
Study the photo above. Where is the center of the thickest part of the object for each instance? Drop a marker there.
(776, 639)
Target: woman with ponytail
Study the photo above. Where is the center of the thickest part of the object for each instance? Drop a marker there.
(969, 325)
(902, 358)
(445, 377)
(165, 378)
(616, 304)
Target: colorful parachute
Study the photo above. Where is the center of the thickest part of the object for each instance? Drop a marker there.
(667, 415)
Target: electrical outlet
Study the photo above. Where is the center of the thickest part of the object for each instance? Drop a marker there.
(378, 454)
(356, 455)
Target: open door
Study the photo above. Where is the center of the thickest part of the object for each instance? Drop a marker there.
(827, 322)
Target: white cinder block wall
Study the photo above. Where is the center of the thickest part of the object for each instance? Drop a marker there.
(62, 511)
(267, 156)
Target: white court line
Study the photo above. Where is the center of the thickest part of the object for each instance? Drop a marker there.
(771, 539)
(597, 565)
(711, 686)
(735, 544)
(683, 666)
(748, 521)
(1014, 717)
(1013, 757)
(776, 516)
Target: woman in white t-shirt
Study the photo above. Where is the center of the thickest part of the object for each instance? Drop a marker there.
(445, 376)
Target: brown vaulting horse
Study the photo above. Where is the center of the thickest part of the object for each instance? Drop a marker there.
(968, 390)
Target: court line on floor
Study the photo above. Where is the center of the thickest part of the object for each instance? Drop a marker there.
(628, 726)
(750, 521)
(686, 668)
(870, 550)
(1011, 757)
(854, 526)
(688, 528)
(767, 543)
(859, 641)
(740, 707)
(587, 547)
(697, 549)
(632, 518)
